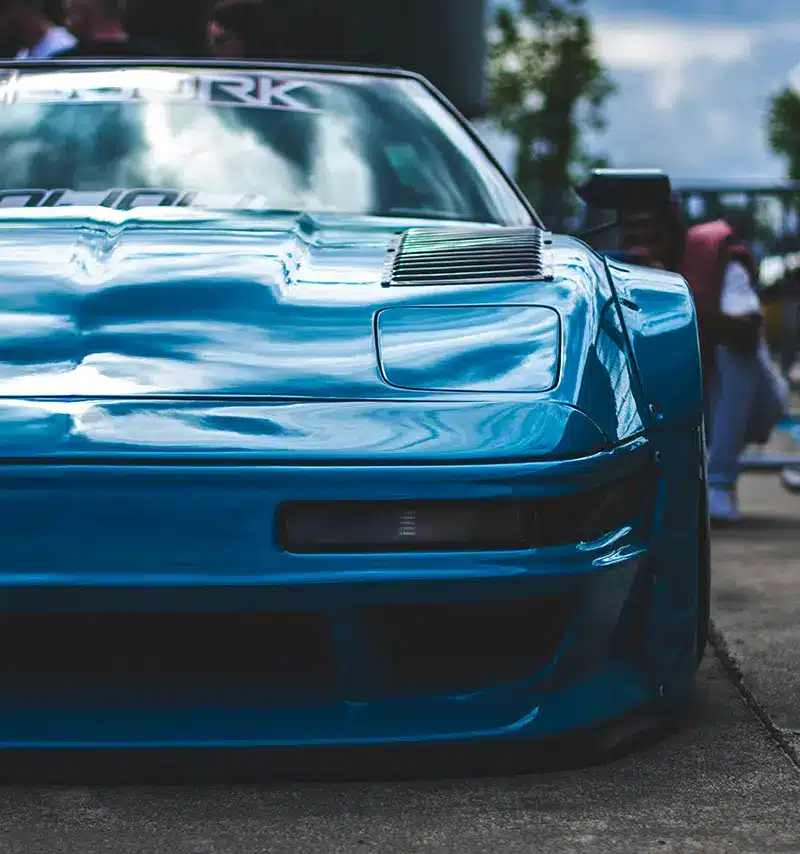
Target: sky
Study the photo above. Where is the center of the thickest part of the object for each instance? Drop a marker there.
(694, 79)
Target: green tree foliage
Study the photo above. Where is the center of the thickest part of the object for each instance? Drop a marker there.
(547, 88)
(783, 129)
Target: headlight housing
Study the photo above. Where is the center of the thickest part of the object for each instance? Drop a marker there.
(596, 513)
(351, 527)
(385, 526)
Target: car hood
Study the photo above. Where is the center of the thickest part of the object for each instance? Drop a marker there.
(239, 310)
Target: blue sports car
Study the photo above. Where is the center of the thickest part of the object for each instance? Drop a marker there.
(314, 435)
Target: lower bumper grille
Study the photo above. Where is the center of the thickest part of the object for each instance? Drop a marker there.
(227, 659)
(267, 659)
(466, 647)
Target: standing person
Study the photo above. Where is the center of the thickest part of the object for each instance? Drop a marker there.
(703, 255)
(723, 276)
(747, 396)
(25, 23)
(100, 31)
(744, 396)
(237, 29)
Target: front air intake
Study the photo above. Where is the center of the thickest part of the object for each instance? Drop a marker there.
(425, 256)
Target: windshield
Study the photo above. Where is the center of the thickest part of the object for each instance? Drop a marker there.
(257, 140)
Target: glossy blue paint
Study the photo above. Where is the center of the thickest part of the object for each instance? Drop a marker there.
(95, 516)
(165, 303)
(169, 377)
(674, 564)
(480, 348)
(297, 431)
(659, 314)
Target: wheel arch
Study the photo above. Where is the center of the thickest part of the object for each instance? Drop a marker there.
(658, 313)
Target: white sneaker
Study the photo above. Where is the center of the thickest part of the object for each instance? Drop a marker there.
(790, 478)
(722, 505)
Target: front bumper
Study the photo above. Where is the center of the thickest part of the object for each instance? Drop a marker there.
(126, 612)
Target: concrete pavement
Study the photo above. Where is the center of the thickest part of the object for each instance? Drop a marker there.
(721, 785)
(728, 782)
(756, 595)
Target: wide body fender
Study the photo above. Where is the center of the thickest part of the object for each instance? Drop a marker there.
(660, 322)
(659, 315)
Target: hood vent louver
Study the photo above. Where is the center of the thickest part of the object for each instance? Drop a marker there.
(475, 256)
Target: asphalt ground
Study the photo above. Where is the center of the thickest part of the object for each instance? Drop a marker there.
(728, 780)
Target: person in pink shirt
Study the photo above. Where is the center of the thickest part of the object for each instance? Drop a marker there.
(745, 397)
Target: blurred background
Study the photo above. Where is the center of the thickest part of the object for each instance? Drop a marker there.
(708, 90)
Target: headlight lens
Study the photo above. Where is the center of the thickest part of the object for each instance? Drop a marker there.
(320, 527)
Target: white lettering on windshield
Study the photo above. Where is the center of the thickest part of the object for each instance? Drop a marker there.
(221, 89)
(22, 198)
(260, 90)
(276, 93)
(125, 200)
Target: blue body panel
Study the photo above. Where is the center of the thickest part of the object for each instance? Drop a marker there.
(169, 378)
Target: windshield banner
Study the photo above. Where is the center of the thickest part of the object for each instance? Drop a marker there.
(125, 200)
(252, 89)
